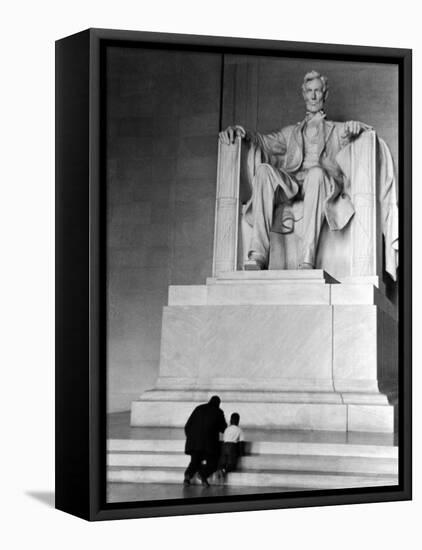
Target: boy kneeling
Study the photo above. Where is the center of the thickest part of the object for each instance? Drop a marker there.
(233, 446)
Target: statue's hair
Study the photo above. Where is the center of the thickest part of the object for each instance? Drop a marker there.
(312, 75)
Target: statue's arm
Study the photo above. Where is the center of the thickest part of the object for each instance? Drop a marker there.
(274, 143)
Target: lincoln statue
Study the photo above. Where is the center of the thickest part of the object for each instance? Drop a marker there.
(299, 164)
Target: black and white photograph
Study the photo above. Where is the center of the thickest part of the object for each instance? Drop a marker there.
(210, 295)
(252, 258)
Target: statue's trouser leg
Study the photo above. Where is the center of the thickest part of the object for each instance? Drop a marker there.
(264, 187)
(315, 191)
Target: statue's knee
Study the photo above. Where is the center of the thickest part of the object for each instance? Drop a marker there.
(263, 174)
(315, 176)
(263, 170)
(316, 171)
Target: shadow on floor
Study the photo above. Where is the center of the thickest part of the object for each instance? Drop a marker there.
(45, 497)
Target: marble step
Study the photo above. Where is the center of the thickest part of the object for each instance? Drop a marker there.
(337, 464)
(288, 479)
(164, 392)
(249, 292)
(264, 447)
(279, 275)
(285, 294)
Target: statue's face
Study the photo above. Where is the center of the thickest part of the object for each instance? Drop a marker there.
(314, 96)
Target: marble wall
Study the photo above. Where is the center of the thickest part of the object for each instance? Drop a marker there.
(163, 112)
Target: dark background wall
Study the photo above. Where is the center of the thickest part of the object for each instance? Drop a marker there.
(163, 117)
(163, 112)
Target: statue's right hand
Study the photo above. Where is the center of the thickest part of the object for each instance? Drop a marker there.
(229, 135)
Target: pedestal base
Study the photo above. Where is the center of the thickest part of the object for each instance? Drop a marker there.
(284, 349)
(301, 412)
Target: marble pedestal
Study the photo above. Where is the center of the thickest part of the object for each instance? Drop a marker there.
(285, 349)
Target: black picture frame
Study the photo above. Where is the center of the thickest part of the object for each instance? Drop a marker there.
(80, 275)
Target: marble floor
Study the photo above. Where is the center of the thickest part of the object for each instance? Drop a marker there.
(131, 492)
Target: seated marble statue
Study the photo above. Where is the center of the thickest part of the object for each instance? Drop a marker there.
(299, 164)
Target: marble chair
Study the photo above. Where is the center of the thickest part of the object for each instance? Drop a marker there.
(354, 252)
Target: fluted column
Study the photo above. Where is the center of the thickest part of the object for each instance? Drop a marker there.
(227, 208)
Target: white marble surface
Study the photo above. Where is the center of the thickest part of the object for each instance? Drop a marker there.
(179, 389)
(272, 415)
(298, 480)
(281, 287)
(301, 275)
(307, 416)
(227, 207)
(240, 336)
(256, 342)
(366, 236)
(361, 293)
(264, 447)
(353, 294)
(362, 279)
(263, 462)
(364, 396)
(354, 347)
(243, 384)
(370, 418)
(268, 294)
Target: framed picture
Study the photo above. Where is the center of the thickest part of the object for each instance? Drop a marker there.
(233, 312)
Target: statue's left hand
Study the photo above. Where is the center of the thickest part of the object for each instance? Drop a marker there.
(353, 127)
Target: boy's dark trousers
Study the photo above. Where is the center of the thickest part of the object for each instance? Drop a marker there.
(229, 456)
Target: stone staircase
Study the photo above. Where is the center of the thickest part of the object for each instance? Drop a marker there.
(291, 460)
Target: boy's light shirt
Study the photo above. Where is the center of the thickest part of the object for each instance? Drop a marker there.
(233, 434)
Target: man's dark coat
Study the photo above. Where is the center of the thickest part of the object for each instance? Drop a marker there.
(202, 429)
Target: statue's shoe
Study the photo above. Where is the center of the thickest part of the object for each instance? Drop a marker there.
(255, 262)
(306, 265)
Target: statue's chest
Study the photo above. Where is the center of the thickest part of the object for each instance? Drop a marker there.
(312, 133)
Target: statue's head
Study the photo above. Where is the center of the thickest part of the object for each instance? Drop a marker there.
(315, 91)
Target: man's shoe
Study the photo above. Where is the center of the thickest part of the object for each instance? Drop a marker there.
(204, 482)
(186, 482)
(222, 475)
